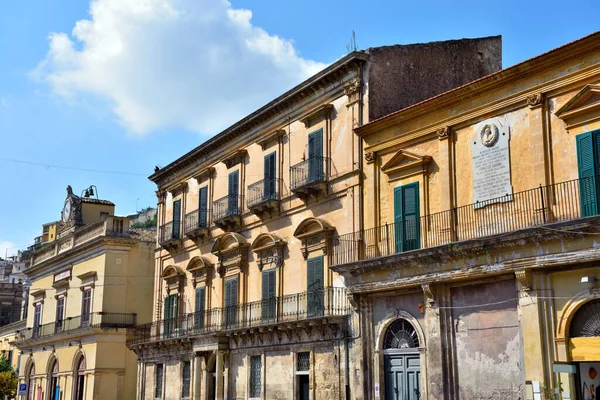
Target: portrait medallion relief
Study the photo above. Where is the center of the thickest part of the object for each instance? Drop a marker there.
(489, 135)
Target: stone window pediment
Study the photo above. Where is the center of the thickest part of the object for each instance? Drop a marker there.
(314, 234)
(315, 115)
(201, 269)
(403, 161)
(269, 250)
(583, 107)
(235, 158)
(231, 250)
(173, 276)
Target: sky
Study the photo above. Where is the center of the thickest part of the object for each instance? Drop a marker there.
(99, 92)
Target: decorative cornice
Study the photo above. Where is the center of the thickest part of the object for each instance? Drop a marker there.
(320, 112)
(235, 158)
(277, 134)
(205, 173)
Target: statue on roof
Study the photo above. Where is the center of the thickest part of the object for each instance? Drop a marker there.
(69, 190)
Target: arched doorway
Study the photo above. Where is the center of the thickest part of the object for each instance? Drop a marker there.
(30, 380)
(53, 388)
(79, 378)
(402, 361)
(584, 334)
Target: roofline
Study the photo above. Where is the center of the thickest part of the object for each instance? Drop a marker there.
(342, 62)
(51, 223)
(484, 84)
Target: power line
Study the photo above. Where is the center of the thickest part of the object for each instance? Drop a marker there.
(70, 168)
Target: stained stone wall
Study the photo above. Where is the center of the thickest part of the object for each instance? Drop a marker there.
(279, 373)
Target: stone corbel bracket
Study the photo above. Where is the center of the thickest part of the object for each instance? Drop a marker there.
(524, 277)
(429, 297)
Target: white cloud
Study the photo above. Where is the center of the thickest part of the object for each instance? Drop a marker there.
(193, 64)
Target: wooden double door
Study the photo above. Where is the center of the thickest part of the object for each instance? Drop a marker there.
(402, 375)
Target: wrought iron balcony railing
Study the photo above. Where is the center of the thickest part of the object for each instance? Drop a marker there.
(534, 207)
(91, 320)
(195, 221)
(228, 206)
(169, 231)
(309, 172)
(264, 192)
(328, 302)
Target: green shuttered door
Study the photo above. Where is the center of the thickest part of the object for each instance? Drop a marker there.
(268, 294)
(314, 272)
(315, 156)
(231, 300)
(232, 200)
(406, 217)
(176, 219)
(199, 307)
(588, 157)
(269, 182)
(202, 207)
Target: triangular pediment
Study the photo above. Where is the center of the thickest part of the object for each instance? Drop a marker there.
(403, 160)
(585, 101)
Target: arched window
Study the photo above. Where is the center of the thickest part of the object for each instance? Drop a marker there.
(586, 321)
(80, 379)
(400, 335)
(53, 380)
(30, 380)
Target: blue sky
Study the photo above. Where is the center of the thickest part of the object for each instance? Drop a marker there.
(141, 83)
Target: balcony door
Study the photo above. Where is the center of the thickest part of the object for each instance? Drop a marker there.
(231, 300)
(269, 298)
(199, 308)
(588, 163)
(406, 217)
(270, 188)
(233, 187)
(170, 314)
(315, 156)
(176, 219)
(202, 207)
(314, 276)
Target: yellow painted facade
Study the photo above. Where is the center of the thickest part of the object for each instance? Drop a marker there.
(491, 289)
(49, 231)
(87, 288)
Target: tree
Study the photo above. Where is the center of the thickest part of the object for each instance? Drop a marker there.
(8, 379)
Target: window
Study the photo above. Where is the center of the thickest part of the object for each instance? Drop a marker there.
(588, 163)
(270, 187)
(60, 313)
(202, 207)
(314, 286)
(303, 362)
(199, 307)
(315, 156)
(54, 389)
(171, 310)
(186, 377)
(269, 299)
(302, 377)
(231, 299)
(255, 376)
(86, 307)
(158, 381)
(176, 219)
(406, 217)
(30, 382)
(80, 382)
(37, 319)
(232, 199)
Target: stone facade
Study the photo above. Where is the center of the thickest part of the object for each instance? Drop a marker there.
(246, 304)
(496, 298)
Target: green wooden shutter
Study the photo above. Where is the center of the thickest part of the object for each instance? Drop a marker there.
(167, 315)
(176, 219)
(406, 217)
(199, 307)
(231, 299)
(268, 294)
(315, 156)
(269, 182)
(314, 271)
(587, 163)
(232, 202)
(202, 207)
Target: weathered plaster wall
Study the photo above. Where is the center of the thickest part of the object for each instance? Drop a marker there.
(489, 357)
(402, 75)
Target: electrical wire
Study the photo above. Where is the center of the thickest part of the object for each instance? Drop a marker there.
(70, 168)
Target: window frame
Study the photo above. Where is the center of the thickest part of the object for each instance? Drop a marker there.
(59, 322)
(84, 291)
(183, 379)
(255, 375)
(158, 390)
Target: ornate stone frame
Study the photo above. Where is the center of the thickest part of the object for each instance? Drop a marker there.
(201, 269)
(268, 245)
(314, 234)
(579, 109)
(173, 277)
(232, 251)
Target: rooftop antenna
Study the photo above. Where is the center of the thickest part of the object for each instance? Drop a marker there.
(351, 47)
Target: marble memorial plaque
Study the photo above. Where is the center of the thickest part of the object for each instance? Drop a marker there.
(491, 163)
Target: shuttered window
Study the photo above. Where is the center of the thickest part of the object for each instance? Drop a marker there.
(60, 313)
(86, 306)
(232, 200)
(315, 156)
(588, 163)
(199, 307)
(176, 219)
(406, 217)
(314, 285)
(269, 299)
(231, 299)
(202, 207)
(270, 188)
(170, 314)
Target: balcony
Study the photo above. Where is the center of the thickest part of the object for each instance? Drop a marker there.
(196, 224)
(227, 211)
(552, 204)
(170, 236)
(264, 196)
(101, 320)
(309, 177)
(277, 313)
